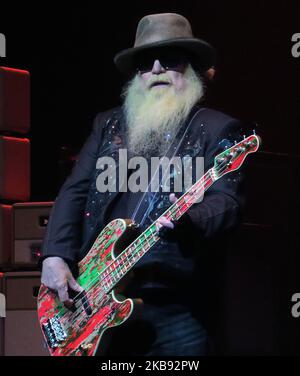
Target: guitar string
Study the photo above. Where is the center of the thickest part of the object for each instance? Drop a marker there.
(98, 287)
(170, 208)
(174, 206)
(111, 264)
(99, 282)
(153, 235)
(178, 207)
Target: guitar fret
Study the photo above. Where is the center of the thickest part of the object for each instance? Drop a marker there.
(97, 313)
(146, 240)
(141, 250)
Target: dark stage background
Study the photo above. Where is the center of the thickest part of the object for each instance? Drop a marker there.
(69, 52)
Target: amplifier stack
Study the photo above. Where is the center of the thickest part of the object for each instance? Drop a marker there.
(22, 222)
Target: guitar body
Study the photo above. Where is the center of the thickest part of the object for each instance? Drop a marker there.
(78, 332)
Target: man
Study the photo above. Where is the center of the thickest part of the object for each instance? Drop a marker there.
(160, 116)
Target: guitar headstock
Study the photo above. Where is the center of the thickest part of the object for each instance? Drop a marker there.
(232, 158)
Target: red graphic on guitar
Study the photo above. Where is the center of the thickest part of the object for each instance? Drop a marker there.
(97, 308)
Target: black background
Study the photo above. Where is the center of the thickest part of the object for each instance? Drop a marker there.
(69, 50)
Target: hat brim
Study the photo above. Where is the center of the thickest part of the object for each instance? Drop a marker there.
(203, 53)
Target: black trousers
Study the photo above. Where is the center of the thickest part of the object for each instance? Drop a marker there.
(165, 328)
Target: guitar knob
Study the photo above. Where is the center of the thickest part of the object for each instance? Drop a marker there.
(82, 349)
(88, 346)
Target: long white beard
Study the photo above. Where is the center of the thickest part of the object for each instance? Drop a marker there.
(153, 114)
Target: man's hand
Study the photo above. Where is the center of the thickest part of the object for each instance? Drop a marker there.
(163, 221)
(56, 275)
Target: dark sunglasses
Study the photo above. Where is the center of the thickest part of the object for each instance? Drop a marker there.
(175, 63)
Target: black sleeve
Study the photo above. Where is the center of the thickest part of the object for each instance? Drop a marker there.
(64, 230)
(221, 208)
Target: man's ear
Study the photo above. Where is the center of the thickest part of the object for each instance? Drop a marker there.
(210, 73)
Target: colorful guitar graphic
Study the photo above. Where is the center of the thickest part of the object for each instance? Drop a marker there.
(79, 331)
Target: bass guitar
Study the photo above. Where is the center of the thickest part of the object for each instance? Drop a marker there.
(79, 331)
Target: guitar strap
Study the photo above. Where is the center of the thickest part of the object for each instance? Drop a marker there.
(172, 147)
(92, 234)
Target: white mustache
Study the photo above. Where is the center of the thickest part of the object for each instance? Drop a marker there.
(158, 79)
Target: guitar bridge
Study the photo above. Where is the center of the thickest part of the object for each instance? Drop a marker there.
(54, 332)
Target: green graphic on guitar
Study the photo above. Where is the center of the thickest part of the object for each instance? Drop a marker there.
(97, 308)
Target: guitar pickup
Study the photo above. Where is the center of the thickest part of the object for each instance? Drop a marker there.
(83, 299)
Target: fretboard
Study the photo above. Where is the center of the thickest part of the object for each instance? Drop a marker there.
(140, 246)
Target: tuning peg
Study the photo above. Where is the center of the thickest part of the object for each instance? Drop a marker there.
(235, 142)
(244, 136)
(254, 132)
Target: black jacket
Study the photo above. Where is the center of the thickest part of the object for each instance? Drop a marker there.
(79, 211)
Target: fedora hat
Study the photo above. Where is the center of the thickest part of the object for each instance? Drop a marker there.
(165, 30)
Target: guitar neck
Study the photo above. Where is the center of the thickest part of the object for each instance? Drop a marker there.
(137, 249)
(227, 161)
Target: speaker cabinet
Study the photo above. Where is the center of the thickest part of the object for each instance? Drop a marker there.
(30, 221)
(22, 229)
(20, 327)
(14, 168)
(14, 100)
